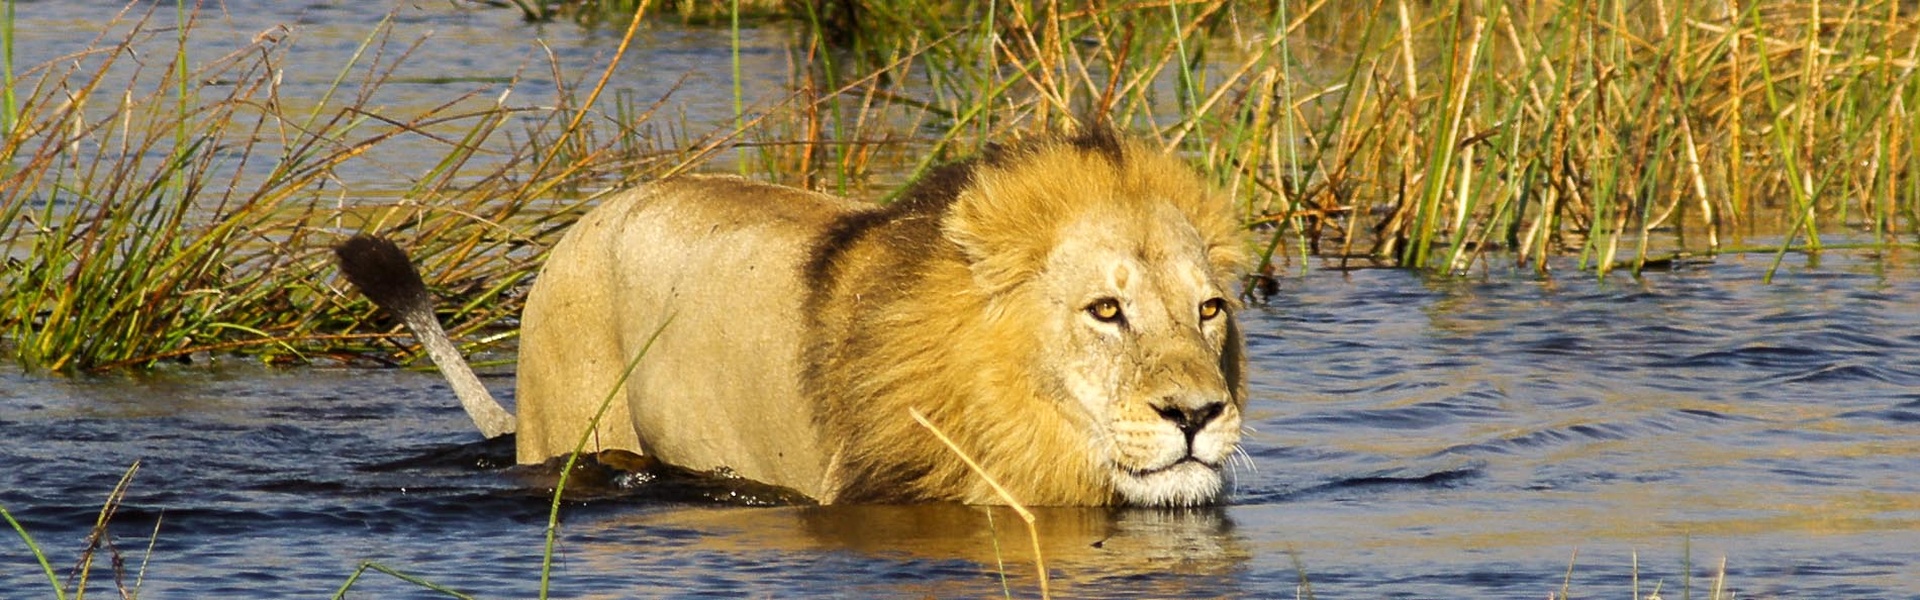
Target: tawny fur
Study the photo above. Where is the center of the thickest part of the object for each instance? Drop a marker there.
(797, 329)
(931, 306)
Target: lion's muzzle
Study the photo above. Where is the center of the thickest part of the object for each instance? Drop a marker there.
(1190, 416)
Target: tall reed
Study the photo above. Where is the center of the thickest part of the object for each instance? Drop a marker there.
(187, 212)
(152, 220)
(9, 107)
(99, 540)
(1439, 135)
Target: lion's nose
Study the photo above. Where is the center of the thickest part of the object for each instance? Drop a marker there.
(1190, 419)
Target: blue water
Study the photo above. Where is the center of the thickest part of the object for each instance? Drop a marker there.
(409, 59)
(1414, 438)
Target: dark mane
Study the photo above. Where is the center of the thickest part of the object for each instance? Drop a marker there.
(932, 193)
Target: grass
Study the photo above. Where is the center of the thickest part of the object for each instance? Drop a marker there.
(185, 209)
(99, 538)
(9, 111)
(129, 241)
(1033, 533)
(176, 207)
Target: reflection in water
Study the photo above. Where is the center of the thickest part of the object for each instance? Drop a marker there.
(1411, 438)
(1154, 552)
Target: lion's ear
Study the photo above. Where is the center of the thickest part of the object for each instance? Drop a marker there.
(1003, 247)
(1011, 212)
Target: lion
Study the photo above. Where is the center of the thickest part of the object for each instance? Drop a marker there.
(1061, 307)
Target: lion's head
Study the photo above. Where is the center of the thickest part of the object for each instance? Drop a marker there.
(1062, 307)
(1120, 261)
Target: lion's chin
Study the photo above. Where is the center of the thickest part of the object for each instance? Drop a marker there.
(1188, 482)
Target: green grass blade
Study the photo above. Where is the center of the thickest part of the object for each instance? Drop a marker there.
(593, 425)
(53, 580)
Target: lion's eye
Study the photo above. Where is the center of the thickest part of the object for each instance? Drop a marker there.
(1212, 308)
(1105, 310)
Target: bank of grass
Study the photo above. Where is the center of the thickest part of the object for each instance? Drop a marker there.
(182, 209)
(1450, 135)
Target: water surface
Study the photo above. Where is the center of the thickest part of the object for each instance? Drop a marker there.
(408, 59)
(1414, 437)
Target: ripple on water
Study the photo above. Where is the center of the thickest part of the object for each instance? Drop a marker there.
(1903, 413)
(1760, 357)
(1411, 437)
(1833, 374)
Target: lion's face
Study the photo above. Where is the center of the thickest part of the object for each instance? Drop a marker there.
(1137, 335)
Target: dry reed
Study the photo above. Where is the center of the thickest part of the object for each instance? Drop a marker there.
(149, 222)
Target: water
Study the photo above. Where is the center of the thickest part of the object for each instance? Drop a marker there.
(1415, 437)
(460, 53)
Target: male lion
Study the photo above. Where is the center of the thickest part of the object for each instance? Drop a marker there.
(1061, 307)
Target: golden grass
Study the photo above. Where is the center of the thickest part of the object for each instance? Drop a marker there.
(1033, 533)
(145, 220)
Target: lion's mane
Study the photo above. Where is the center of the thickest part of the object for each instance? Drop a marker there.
(926, 305)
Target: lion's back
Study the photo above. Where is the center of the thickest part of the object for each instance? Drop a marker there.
(716, 265)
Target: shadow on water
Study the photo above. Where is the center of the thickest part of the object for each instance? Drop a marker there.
(612, 475)
(944, 550)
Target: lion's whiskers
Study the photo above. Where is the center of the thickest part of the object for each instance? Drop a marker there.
(1240, 457)
(1240, 450)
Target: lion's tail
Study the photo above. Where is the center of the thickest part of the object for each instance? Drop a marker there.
(382, 271)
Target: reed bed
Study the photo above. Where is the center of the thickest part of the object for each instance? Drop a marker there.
(1444, 136)
(191, 211)
(160, 210)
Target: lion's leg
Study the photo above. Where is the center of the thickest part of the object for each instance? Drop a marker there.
(570, 354)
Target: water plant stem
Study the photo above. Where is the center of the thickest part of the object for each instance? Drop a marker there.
(739, 88)
(1033, 533)
(579, 447)
(53, 580)
(9, 103)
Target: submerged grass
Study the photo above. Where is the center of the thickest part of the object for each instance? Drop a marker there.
(156, 210)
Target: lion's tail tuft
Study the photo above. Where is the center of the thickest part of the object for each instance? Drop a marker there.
(383, 272)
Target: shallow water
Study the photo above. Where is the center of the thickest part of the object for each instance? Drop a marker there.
(1415, 437)
(461, 53)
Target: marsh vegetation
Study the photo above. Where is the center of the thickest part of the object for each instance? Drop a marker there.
(163, 198)
(170, 187)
